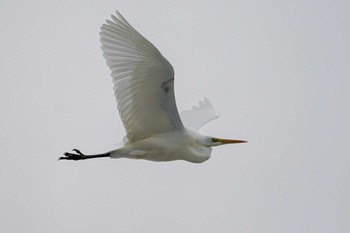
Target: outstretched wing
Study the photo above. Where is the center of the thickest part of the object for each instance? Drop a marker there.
(199, 115)
(143, 81)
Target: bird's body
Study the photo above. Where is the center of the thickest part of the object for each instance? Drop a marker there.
(178, 145)
(144, 89)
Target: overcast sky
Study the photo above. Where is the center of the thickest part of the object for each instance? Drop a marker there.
(276, 71)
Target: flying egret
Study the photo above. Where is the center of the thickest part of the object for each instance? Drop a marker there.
(144, 89)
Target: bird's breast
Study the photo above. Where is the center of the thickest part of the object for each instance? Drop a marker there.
(173, 146)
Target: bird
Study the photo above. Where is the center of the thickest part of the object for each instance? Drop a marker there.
(144, 90)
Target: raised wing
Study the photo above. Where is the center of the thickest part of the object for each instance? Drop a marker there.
(143, 81)
(199, 115)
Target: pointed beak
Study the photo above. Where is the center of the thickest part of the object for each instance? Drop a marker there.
(229, 141)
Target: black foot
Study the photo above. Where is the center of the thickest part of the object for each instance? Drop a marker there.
(73, 156)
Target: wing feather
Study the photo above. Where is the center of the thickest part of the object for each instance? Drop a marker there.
(143, 81)
(199, 115)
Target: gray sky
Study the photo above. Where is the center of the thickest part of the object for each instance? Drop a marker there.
(276, 71)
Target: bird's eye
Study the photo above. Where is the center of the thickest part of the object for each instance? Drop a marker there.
(214, 140)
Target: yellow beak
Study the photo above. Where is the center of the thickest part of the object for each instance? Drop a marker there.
(228, 141)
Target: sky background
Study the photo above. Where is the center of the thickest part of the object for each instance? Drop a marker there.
(276, 71)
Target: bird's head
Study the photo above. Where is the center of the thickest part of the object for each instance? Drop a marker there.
(211, 141)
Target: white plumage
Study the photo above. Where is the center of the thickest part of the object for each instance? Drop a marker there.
(144, 89)
(143, 81)
(199, 115)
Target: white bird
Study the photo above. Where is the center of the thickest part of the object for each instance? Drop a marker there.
(144, 89)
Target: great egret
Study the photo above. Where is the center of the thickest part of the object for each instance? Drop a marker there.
(144, 89)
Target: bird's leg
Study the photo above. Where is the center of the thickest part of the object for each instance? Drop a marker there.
(80, 156)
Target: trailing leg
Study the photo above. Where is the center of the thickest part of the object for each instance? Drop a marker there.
(80, 156)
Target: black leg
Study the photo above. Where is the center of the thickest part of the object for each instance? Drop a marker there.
(80, 156)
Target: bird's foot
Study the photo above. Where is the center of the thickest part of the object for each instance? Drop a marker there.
(73, 156)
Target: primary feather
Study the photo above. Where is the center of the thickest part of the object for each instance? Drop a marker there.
(143, 81)
(199, 115)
